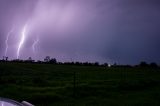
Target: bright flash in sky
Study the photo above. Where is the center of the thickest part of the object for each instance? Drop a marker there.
(23, 37)
(6, 41)
(34, 45)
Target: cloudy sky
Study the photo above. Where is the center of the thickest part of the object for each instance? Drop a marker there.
(121, 31)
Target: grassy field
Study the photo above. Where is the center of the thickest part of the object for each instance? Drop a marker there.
(53, 85)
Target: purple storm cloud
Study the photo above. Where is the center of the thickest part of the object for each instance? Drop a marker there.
(121, 31)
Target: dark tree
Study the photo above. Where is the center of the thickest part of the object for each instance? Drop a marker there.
(53, 61)
(143, 64)
(77, 63)
(96, 64)
(105, 64)
(47, 59)
(153, 65)
(38, 61)
(5, 58)
(30, 60)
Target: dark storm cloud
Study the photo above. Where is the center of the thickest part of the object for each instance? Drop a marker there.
(137, 28)
(122, 31)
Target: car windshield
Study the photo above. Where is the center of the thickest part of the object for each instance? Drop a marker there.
(6, 103)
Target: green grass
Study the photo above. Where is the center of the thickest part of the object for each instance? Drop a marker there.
(52, 85)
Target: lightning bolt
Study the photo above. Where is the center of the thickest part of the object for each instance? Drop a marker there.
(23, 37)
(6, 42)
(34, 44)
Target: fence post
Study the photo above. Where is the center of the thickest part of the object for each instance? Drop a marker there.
(74, 84)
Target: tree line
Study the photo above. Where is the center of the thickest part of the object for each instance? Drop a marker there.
(49, 60)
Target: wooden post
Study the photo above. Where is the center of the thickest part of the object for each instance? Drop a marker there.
(74, 84)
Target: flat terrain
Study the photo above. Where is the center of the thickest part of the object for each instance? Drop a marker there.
(52, 85)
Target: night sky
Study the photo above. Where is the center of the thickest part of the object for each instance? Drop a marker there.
(121, 31)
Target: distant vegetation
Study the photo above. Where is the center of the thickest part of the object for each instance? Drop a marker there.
(52, 83)
(48, 60)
